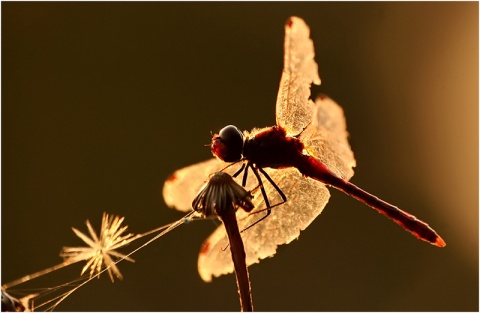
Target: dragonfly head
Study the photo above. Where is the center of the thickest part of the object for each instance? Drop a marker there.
(228, 144)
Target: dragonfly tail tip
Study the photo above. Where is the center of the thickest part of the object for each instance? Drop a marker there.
(439, 242)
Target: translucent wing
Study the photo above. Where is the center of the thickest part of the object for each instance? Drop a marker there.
(294, 109)
(184, 184)
(327, 138)
(306, 200)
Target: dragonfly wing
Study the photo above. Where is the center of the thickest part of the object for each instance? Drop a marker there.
(294, 109)
(183, 185)
(306, 199)
(326, 137)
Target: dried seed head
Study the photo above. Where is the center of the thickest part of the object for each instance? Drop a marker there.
(101, 248)
(221, 192)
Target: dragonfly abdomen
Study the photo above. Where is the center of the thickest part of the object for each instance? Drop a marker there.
(314, 168)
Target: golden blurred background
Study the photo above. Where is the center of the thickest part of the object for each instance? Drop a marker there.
(102, 101)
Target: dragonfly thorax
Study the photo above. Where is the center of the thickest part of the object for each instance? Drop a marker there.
(228, 144)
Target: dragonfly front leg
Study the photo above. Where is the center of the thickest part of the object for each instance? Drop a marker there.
(264, 194)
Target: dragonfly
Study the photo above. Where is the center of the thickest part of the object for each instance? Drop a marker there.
(306, 151)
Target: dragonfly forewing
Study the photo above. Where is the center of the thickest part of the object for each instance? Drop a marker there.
(294, 109)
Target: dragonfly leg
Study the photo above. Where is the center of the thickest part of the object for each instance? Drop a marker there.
(270, 180)
(239, 171)
(264, 194)
(270, 207)
(245, 175)
(262, 189)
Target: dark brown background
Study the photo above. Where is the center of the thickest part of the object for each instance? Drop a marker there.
(102, 101)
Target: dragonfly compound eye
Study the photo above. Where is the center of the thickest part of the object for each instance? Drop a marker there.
(228, 144)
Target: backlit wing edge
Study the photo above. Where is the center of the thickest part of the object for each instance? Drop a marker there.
(294, 109)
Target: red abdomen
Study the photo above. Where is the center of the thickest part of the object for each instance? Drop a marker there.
(314, 168)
